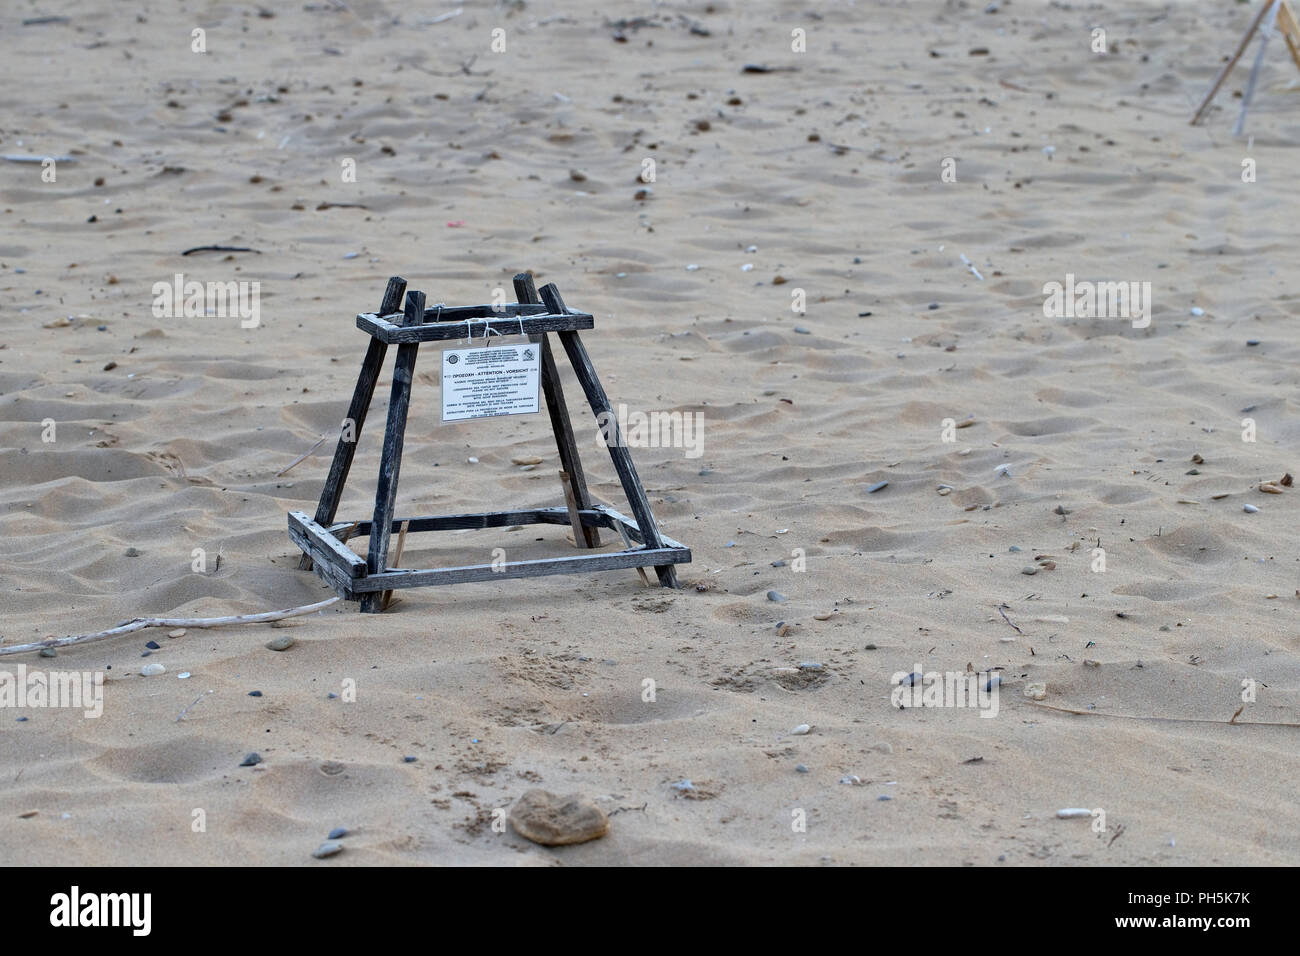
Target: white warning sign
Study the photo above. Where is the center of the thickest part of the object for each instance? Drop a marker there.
(488, 382)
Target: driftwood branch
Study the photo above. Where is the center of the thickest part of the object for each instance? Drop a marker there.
(140, 623)
(1177, 720)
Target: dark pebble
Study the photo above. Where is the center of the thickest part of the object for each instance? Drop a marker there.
(778, 564)
(884, 797)
(933, 306)
(876, 487)
(408, 759)
(1252, 341)
(254, 693)
(251, 760)
(154, 646)
(338, 833)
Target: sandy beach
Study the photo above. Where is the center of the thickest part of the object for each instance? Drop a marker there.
(1067, 499)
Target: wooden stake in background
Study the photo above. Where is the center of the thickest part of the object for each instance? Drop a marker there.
(1280, 15)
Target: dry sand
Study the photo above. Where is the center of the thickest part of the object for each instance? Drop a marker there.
(833, 172)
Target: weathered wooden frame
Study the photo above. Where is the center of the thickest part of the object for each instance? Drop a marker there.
(369, 580)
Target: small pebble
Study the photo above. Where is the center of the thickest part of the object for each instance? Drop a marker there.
(152, 670)
(1250, 509)
(802, 330)
(183, 675)
(1015, 547)
(1029, 570)
(1252, 342)
(876, 487)
(776, 596)
(852, 780)
(179, 632)
(801, 730)
(338, 833)
(154, 646)
(328, 848)
(281, 643)
(49, 652)
(1197, 310)
(778, 564)
(1070, 813)
(810, 665)
(800, 768)
(1002, 470)
(254, 693)
(251, 760)
(944, 489)
(883, 797)
(1036, 691)
(683, 785)
(408, 759)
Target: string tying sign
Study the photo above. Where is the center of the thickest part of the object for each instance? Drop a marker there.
(489, 382)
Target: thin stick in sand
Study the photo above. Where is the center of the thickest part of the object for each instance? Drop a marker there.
(303, 457)
(140, 623)
(397, 559)
(1255, 68)
(627, 543)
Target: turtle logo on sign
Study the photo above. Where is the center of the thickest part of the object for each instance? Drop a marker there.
(453, 358)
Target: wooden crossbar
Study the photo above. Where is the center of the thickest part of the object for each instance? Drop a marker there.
(480, 326)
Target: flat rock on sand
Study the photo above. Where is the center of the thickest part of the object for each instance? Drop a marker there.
(557, 821)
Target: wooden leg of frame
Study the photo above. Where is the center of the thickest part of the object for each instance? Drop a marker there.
(560, 423)
(350, 432)
(390, 462)
(618, 452)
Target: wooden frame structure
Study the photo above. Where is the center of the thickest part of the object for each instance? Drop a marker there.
(1279, 17)
(370, 580)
